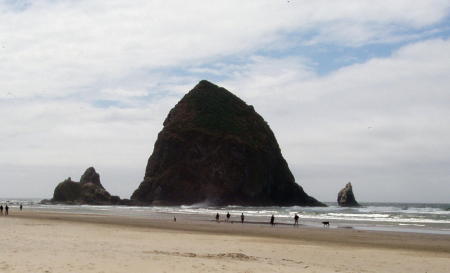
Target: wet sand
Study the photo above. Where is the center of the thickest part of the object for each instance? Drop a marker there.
(57, 242)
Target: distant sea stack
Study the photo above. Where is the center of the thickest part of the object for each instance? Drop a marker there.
(346, 198)
(88, 191)
(214, 148)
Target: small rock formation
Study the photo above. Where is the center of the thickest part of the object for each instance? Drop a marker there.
(346, 197)
(88, 191)
(91, 176)
(214, 148)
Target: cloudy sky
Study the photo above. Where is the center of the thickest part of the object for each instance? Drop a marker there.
(354, 90)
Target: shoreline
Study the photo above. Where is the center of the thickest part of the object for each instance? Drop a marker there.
(396, 217)
(86, 243)
(327, 236)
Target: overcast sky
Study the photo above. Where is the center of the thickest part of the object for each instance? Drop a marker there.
(354, 90)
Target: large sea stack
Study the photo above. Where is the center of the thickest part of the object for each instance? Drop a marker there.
(346, 198)
(88, 191)
(215, 149)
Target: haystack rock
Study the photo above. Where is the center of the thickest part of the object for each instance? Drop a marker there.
(215, 149)
(346, 198)
(88, 191)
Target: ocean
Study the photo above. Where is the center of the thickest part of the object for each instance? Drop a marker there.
(400, 217)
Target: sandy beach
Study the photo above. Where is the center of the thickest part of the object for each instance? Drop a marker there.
(56, 242)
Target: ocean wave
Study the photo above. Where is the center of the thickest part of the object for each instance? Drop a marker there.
(380, 219)
(390, 214)
(415, 225)
(373, 215)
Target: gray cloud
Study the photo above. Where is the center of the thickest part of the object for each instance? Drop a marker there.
(67, 45)
(378, 123)
(89, 83)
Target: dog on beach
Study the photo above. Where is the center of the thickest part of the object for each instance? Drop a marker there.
(326, 224)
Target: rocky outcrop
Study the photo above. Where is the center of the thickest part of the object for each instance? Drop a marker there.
(67, 191)
(346, 198)
(88, 191)
(214, 148)
(91, 176)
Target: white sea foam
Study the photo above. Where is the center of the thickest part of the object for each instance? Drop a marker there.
(415, 225)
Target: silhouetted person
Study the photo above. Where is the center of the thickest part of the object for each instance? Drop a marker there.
(21, 207)
(6, 210)
(272, 220)
(228, 216)
(242, 218)
(296, 220)
(217, 217)
(174, 219)
(1, 209)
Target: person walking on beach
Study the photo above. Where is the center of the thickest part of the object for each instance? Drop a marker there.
(272, 220)
(242, 218)
(217, 217)
(296, 219)
(228, 216)
(1, 209)
(6, 210)
(21, 207)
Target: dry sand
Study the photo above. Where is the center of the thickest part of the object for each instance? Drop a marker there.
(54, 242)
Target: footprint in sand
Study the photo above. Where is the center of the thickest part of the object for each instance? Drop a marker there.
(4, 266)
(234, 256)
